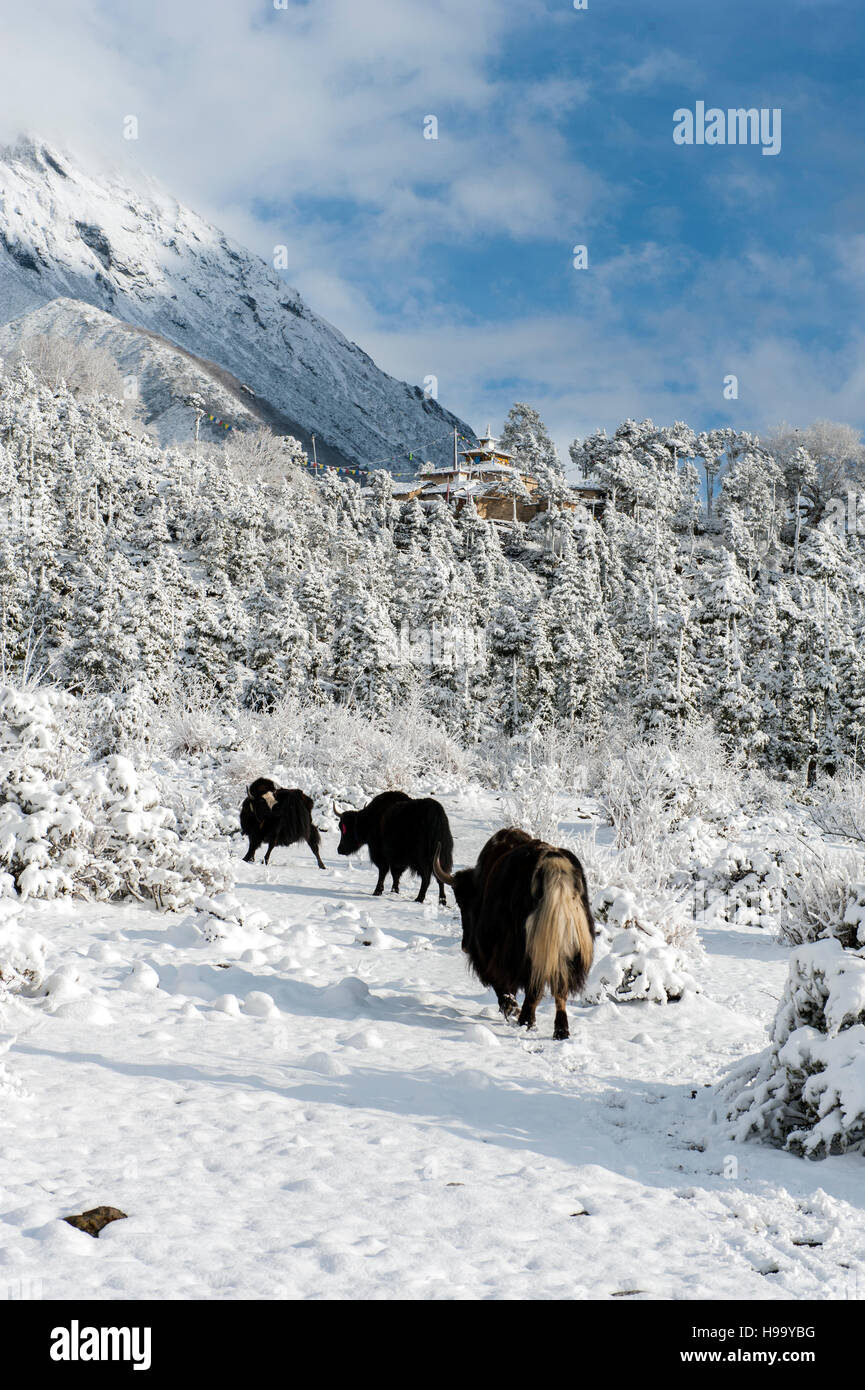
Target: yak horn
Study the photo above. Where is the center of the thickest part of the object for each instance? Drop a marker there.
(439, 872)
(335, 811)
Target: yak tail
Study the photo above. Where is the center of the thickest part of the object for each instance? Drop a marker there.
(445, 847)
(558, 931)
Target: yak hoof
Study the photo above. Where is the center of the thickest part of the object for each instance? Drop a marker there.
(561, 1032)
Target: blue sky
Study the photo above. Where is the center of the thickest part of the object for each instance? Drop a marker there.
(452, 257)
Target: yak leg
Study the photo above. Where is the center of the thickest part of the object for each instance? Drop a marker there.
(527, 1012)
(379, 887)
(443, 902)
(314, 842)
(424, 885)
(249, 857)
(507, 1004)
(395, 876)
(561, 1029)
(270, 848)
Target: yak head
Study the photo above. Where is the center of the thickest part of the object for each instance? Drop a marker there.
(466, 891)
(260, 787)
(350, 840)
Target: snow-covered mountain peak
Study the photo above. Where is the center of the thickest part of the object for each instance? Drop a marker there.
(135, 252)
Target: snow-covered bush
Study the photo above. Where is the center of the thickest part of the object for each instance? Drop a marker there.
(641, 794)
(651, 786)
(101, 834)
(224, 918)
(747, 883)
(39, 729)
(197, 814)
(93, 829)
(534, 802)
(788, 884)
(570, 757)
(645, 949)
(22, 955)
(807, 1092)
(824, 897)
(333, 751)
(122, 722)
(195, 721)
(838, 807)
(647, 945)
(83, 367)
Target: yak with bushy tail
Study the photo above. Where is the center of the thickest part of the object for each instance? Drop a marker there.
(526, 921)
(402, 833)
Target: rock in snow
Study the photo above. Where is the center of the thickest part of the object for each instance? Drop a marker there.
(96, 1219)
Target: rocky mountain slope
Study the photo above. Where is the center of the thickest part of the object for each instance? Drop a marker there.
(141, 257)
(163, 375)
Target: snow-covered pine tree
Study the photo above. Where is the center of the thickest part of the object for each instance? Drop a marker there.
(524, 436)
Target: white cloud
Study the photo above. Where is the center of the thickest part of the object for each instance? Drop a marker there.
(849, 252)
(254, 116)
(661, 68)
(238, 103)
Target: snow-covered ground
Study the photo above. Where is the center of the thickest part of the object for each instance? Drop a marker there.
(323, 1103)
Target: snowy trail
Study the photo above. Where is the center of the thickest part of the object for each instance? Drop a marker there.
(290, 1112)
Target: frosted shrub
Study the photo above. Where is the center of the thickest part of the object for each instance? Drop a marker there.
(652, 787)
(569, 757)
(533, 802)
(849, 927)
(348, 749)
(102, 834)
(22, 955)
(85, 368)
(794, 887)
(92, 829)
(640, 952)
(194, 721)
(641, 794)
(39, 728)
(197, 814)
(119, 723)
(647, 945)
(764, 794)
(747, 884)
(807, 1092)
(824, 898)
(434, 751)
(710, 773)
(839, 807)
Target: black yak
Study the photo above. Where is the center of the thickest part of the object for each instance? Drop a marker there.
(402, 833)
(274, 816)
(526, 922)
